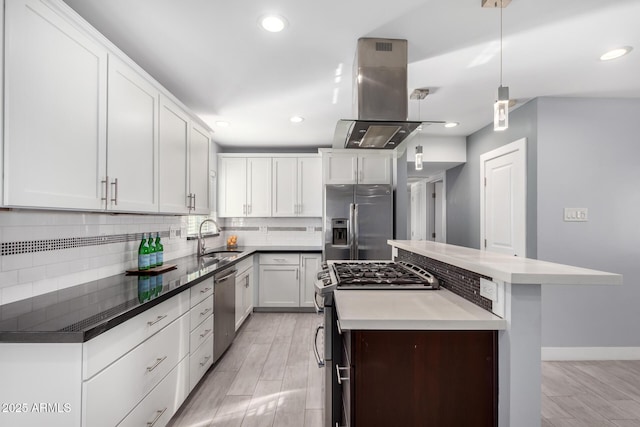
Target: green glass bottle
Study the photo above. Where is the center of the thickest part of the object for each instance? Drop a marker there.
(143, 254)
(159, 251)
(152, 252)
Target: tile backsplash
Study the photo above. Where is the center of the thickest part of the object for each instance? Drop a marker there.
(44, 251)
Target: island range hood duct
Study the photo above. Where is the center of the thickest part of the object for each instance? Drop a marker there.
(380, 98)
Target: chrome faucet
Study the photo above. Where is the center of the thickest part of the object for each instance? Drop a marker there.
(201, 239)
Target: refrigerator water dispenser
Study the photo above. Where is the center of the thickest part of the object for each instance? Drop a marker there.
(339, 227)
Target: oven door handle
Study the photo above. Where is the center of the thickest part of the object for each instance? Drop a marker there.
(315, 304)
(319, 361)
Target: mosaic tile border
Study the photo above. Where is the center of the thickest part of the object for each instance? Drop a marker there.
(32, 246)
(269, 228)
(461, 282)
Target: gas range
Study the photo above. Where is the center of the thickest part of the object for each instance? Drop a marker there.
(374, 275)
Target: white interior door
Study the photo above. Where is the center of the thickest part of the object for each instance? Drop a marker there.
(438, 223)
(503, 199)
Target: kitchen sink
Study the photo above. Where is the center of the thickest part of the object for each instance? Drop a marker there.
(218, 256)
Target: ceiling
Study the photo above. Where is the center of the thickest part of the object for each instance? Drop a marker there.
(212, 55)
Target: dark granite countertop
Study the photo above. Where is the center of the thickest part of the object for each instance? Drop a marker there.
(79, 313)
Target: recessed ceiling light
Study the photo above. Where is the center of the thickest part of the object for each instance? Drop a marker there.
(222, 124)
(451, 124)
(296, 119)
(273, 23)
(616, 53)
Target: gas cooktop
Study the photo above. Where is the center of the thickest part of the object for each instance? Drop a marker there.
(381, 275)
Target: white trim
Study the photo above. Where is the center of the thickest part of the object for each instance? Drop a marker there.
(519, 145)
(590, 353)
(442, 176)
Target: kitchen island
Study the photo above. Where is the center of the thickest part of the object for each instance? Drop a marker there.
(513, 286)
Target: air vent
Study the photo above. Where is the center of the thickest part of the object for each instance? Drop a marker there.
(384, 46)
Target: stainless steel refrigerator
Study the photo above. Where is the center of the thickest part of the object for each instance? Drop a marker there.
(358, 221)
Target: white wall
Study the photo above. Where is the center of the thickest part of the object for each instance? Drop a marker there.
(588, 156)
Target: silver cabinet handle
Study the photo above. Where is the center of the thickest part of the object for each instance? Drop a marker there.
(244, 209)
(249, 210)
(194, 201)
(319, 361)
(205, 312)
(204, 362)
(246, 281)
(155, 365)
(114, 199)
(158, 415)
(159, 318)
(204, 334)
(297, 273)
(339, 328)
(105, 181)
(356, 232)
(340, 377)
(315, 304)
(205, 290)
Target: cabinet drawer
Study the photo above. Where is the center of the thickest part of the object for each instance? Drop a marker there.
(200, 361)
(201, 312)
(201, 291)
(158, 406)
(104, 349)
(245, 264)
(293, 259)
(111, 394)
(200, 334)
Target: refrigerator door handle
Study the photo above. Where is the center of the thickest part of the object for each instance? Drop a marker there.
(351, 241)
(356, 232)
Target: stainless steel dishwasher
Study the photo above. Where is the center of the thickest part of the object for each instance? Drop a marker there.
(224, 311)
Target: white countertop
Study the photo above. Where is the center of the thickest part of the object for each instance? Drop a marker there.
(510, 269)
(411, 310)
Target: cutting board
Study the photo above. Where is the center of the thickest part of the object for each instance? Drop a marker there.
(152, 271)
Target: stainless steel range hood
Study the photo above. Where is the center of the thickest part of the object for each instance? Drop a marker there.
(380, 98)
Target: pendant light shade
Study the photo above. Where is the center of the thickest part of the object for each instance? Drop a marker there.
(501, 109)
(419, 157)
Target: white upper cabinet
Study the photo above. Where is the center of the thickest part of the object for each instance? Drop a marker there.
(55, 111)
(132, 141)
(244, 187)
(174, 147)
(310, 186)
(199, 169)
(297, 186)
(347, 168)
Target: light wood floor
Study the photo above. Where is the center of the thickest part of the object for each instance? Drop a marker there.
(269, 378)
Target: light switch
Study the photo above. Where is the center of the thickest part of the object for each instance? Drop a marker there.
(576, 214)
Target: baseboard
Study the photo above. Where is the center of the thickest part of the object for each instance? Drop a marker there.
(590, 353)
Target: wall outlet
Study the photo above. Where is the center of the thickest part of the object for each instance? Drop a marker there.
(576, 214)
(174, 232)
(495, 291)
(488, 289)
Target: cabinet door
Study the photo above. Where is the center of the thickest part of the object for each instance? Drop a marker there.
(340, 169)
(279, 286)
(310, 186)
(241, 281)
(259, 187)
(309, 266)
(248, 294)
(285, 186)
(174, 145)
(232, 187)
(132, 140)
(199, 170)
(55, 85)
(374, 170)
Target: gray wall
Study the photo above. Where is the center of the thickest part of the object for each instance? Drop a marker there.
(401, 198)
(463, 182)
(589, 156)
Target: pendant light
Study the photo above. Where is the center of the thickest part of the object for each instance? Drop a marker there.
(501, 106)
(419, 157)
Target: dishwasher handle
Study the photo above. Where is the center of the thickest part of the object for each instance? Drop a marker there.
(225, 277)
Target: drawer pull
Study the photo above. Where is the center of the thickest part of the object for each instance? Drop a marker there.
(316, 353)
(155, 365)
(155, 420)
(341, 378)
(204, 334)
(205, 290)
(204, 362)
(157, 320)
(205, 311)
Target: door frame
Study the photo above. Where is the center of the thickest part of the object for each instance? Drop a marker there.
(442, 176)
(520, 146)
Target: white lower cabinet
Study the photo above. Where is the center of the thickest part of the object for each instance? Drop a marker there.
(200, 361)
(157, 408)
(287, 280)
(140, 370)
(244, 294)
